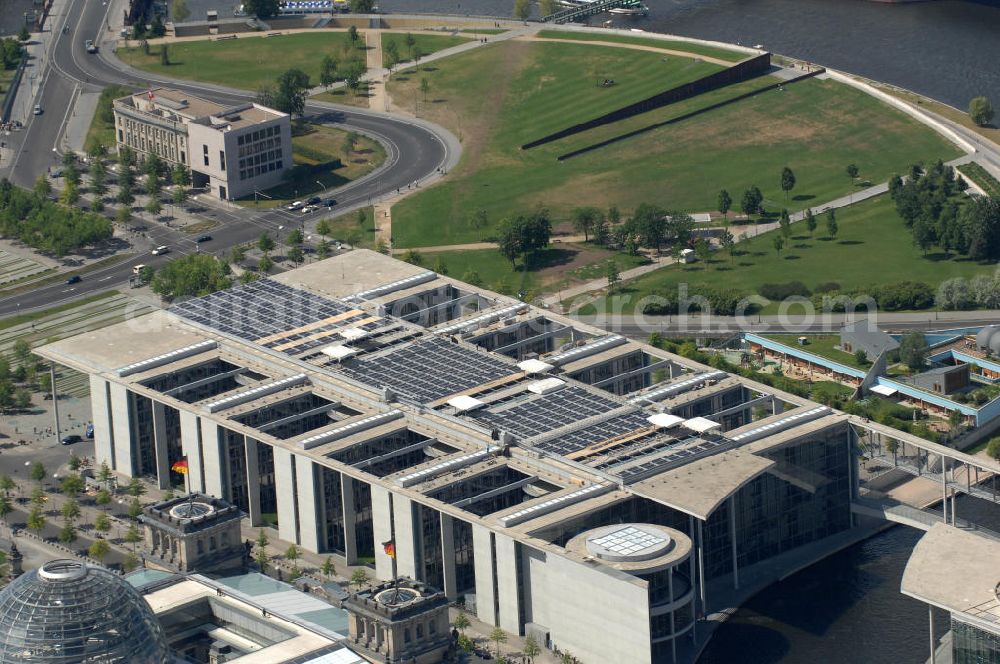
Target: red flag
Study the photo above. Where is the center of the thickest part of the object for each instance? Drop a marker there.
(180, 467)
(150, 94)
(389, 548)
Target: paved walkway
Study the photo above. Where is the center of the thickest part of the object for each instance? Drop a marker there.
(634, 47)
(376, 84)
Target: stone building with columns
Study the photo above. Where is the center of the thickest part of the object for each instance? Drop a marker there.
(194, 533)
(404, 622)
(361, 399)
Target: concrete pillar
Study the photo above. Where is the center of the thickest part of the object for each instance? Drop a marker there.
(191, 446)
(253, 481)
(406, 539)
(382, 525)
(305, 479)
(100, 409)
(212, 458)
(732, 541)
(122, 429)
(55, 398)
(673, 628)
(507, 582)
(160, 445)
(482, 545)
(350, 519)
(944, 487)
(448, 556)
(285, 489)
(701, 570)
(930, 619)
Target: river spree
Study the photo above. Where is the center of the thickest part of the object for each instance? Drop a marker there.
(945, 49)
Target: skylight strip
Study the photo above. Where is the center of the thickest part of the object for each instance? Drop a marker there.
(167, 358)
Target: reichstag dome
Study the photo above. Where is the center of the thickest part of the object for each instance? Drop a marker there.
(68, 612)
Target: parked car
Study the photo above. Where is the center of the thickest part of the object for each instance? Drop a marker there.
(91, 46)
(90, 431)
(70, 439)
(295, 206)
(159, 251)
(315, 200)
(75, 279)
(203, 238)
(330, 202)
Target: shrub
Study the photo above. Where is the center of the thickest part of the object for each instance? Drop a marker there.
(778, 292)
(827, 287)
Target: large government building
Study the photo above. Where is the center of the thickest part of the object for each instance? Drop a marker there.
(596, 492)
(230, 150)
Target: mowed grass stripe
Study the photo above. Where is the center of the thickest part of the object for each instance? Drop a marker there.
(668, 44)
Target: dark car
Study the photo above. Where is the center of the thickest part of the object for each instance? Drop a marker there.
(315, 200)
(203, 238)
(75, 279)
(90, 431)
(70, 439)
(330, 202)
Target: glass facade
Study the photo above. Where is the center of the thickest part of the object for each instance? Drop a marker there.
(431, 563)
(364, 531)
(465, 556)
(235, 455)
(972, 645)
(332, 519)
(140, 417)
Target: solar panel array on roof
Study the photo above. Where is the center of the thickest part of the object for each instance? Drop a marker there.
(429, 369)
(669, 453)
(271, 314)
(540, 415)
(577, 440)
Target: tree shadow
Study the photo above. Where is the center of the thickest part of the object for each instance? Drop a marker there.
(792, 257)
(551, 257)
(850, 243)
(803, 197)
(801, 245)
(938, 256)
(745, 264)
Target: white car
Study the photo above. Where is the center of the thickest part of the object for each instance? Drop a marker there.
(307, 209)
(296, 205)
(38, 109)
(159, 251)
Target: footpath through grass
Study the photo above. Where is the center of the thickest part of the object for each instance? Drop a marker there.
(498, 97)
(247, 62)
(668, 44)
(872, 247)
(426, 44)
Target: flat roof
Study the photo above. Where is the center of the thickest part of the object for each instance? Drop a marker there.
(956, 570)
(349, 273)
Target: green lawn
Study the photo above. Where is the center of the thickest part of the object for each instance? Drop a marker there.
(504, 95)
(345, 96)
(102, 126)
(426, 43)
(557, 266)
(824, 345)
(246, 63)
(873, 246)
(981, 177)
(346, 228)
(668, 44)
(320, 156)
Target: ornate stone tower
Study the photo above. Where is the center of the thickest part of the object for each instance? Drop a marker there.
(391, 624)
(196, 533)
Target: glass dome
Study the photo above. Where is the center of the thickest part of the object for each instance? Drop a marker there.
(68, 611)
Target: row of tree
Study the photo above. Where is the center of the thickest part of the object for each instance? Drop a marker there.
(11, 52)
(40, 223)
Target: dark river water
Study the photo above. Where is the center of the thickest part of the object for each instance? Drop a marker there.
(945, 49)
(847, 608)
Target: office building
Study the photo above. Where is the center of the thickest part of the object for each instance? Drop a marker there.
(230, 150)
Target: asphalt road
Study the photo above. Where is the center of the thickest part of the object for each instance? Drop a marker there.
(415, 150)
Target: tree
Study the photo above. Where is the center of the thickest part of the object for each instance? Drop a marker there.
(461, 622)
(413, 257)
(37, 472)
(585, 220)
(292, 554)
(38, 496)
(72, 485)
(546, 7)
(99, 548)
(750, 203)
(724, 203)
(22, 399)
(133, 536)
(778, 242)
(130, 562)
(531, 649)
(498, 636)
(164, 54)
(350, 141)
(102, 498)
(522, 9)
(237, 254)
(6, 507)
(104, 475)
(352, 34)
(289, 95)
(70, 195)
(102, 523)
(440, 266)
(265, 264)
(993, 449)
(294, 238)
(134, 509)
(68, 533)
(74, 461)
(981, 111)
(323, 249)
(7, 484)
(265, 243)
(98, 175)
(810, 221)
(852, 171)
(785, 223)
(831, 223)
(425, 87)
(43, 188)
(328, 72)
(787, 180)
(613, 275)
(296, 255)
(36, 519)
(193, 274)
(362, 6)
(23, 34)
(861, 357)
(262, 9)
(567, 658)
(472, 277)
(728, 243)
(913, 350)
(391, 53)
(154, 207)
(359, 578)
(323, 228)
(328, 569)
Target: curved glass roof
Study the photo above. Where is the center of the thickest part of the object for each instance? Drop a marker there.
(68, 611)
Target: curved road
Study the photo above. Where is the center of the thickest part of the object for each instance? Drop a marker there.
(415, 150)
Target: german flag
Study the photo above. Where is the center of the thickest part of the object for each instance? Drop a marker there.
(389, 548)
(180, 466)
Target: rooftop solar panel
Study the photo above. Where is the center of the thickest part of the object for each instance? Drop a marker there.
(269, 313)
(610, 428)
(429, 369)
(536, 416)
